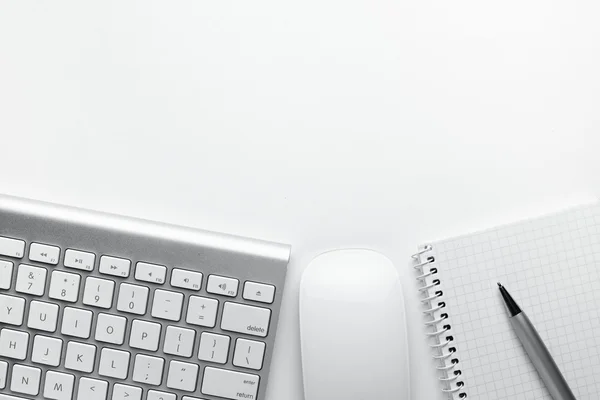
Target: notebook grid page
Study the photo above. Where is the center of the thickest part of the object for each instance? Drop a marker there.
(551, 267)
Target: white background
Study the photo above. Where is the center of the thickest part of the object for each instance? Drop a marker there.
(318, 123)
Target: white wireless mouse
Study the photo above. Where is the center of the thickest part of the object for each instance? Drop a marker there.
(353, 328)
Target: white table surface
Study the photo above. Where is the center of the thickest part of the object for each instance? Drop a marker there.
(323, 124)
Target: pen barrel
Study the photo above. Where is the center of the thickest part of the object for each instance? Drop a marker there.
(541, 358)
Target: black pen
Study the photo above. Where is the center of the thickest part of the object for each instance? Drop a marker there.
(537, 350)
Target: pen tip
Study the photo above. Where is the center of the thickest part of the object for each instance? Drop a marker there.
(499, 284)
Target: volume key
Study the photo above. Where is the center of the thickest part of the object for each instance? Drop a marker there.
(222, 285)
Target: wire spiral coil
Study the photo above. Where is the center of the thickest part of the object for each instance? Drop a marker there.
(438, 323)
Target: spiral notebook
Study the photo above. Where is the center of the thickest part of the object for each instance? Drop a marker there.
(551, 265)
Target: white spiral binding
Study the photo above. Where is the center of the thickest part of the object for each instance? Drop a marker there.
(438, 323)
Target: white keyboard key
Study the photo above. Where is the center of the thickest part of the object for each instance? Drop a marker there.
(3, 374)
(114, 363)
(148, 370)
(249, 354)
(126, 392)
(44, 253)
(6, 270)
(179, 341)
(7, 397)
(11, 310)
(98, 292)
(31, 280)
(202, 311)
(76, 322)
(185, 279)
(42, 316)
(132, 299)
(213, 348)
(222, 285)
(110, 328)
(167, 305)
(92, 389)
(150, 273)
(156, 395)
(259, 292)
(245, 319)
(13, 344)
(64, 286)
(182, 376)
(25, 380)
(79, 260)
(46, 350)
(80, 357)
(144, 335)
(58, 386)
(12, 247)
(229, 384)
(115, 266)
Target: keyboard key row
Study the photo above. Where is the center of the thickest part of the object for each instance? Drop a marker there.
(94, 389)
(113, 363)
(144, 335)
(65, 286)
(167, 305)
(182, 376)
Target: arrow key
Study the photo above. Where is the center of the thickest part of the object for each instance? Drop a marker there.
(182, 376)
(125, 392)
(92, 389)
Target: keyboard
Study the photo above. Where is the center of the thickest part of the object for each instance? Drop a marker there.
(96, 306)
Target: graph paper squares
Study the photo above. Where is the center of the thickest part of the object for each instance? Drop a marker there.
(551, 266)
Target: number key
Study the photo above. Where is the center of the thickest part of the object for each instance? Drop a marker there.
(31, 280)
(132, 299)
(64, 286)
(98, 292)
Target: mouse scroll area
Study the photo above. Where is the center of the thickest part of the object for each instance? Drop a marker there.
(353, 328)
